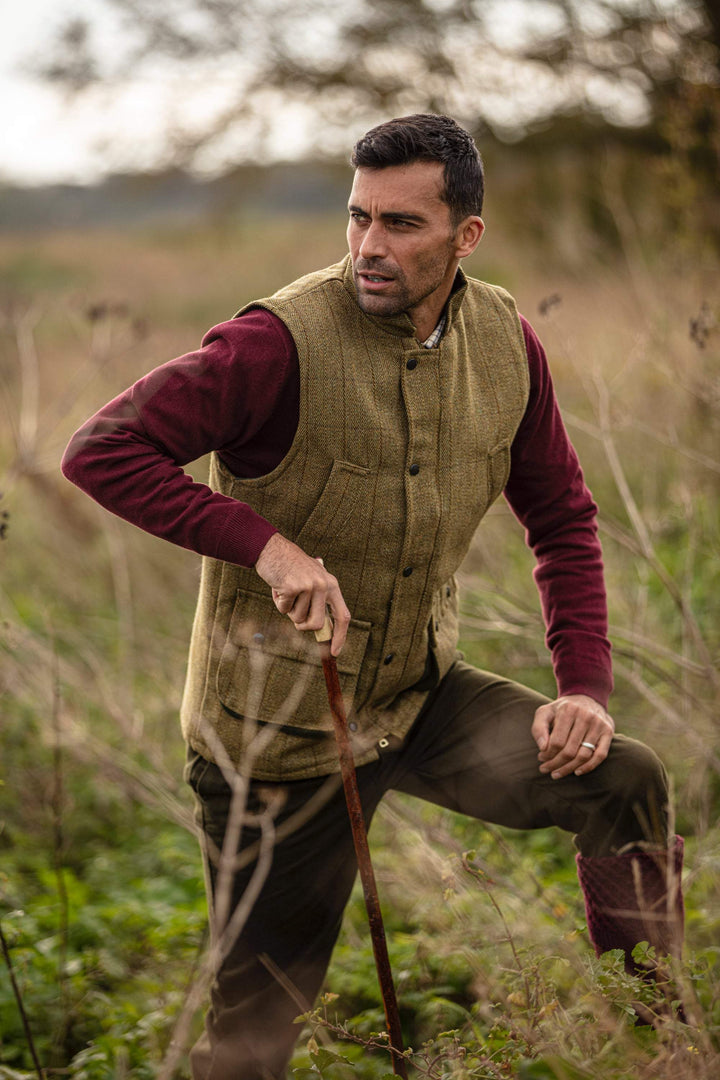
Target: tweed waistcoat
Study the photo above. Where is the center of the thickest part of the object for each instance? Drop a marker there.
(398, 454)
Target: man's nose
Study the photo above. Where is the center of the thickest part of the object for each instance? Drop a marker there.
(374, 243)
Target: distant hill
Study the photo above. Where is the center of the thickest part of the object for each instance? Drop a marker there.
(172, 196)
(565, 187)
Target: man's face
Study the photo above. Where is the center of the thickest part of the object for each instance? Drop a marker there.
(403, 248)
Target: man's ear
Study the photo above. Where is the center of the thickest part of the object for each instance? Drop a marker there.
(468, 236)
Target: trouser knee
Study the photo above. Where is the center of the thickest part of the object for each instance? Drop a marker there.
(641, 785)
(628, 801)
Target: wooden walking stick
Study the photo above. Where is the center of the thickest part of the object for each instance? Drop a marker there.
(362, 850)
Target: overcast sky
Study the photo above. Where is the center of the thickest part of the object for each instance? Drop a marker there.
(39, 141)
(45, 140)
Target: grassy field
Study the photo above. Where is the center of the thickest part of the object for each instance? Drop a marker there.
(100, 882)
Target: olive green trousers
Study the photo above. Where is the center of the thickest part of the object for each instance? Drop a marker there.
(471, 751)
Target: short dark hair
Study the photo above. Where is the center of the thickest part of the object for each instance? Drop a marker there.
(428, 137)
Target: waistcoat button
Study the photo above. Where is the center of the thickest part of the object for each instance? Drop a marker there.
(407, 571)
(414, 470)
(389, 658)
(411, 364)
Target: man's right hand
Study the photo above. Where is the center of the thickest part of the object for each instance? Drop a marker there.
(302, 588)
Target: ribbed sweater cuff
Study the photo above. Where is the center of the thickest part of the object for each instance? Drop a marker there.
(244, 537)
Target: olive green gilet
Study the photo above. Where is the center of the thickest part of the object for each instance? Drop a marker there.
(398, 454)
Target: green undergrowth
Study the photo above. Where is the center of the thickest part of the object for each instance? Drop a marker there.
(488, 948)
(102, 950)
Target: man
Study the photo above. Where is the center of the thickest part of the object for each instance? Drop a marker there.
(362, 420)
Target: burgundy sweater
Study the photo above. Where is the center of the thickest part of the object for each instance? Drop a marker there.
(239, 395)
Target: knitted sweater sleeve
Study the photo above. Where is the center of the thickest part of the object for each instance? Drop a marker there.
(238, 395)
(547, 493)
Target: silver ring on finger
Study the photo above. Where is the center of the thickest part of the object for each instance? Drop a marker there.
(590, 745)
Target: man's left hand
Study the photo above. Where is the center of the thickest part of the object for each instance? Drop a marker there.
(562, 731)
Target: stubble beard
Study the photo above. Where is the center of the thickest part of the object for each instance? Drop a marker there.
(402, 301)
(384, 306)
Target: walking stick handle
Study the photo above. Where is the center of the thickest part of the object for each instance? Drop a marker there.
(326, 633)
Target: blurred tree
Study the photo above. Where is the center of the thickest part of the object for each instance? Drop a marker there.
(507, 65)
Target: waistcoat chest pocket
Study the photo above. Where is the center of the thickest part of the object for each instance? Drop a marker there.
(328, 521)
